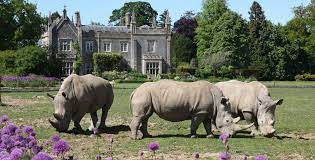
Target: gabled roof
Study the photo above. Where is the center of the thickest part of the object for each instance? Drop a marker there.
(96, 28)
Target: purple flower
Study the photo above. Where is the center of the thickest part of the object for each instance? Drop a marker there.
(16, 153)
(28, 130)
(153, 146)
(42, 156)
(4, 118)
(225, 156)
(224, 137)
(196, 155)
(260, 157)
(36, 149)
(55, 138)
(61, 147)
(4, 155)
(98, 157)
(109, 158)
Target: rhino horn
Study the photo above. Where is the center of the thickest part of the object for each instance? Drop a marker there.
(238, 127)
(58, 117)
(51, 96)
(54, 124)
(235, 120)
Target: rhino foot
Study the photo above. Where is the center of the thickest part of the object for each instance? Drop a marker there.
(210, 136)
(193, 136)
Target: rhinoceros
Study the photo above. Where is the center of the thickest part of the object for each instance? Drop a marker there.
(252, 102)
(175, 101)
(79, 95)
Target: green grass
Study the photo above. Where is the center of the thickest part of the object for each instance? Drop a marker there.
(295, 115)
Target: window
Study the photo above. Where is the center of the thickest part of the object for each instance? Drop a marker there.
(67, 68)
(89, 46)
(65, 45)
(107, 47)
(153, 68)
(151, 46)
(124, 46)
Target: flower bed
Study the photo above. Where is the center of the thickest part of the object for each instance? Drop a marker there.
(29, 81)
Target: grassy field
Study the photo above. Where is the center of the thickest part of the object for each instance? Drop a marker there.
(295, 119)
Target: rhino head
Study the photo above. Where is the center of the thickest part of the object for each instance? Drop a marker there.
(224, 120)
(266, 114)
(62, 113)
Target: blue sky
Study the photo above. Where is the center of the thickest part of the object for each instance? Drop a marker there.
(278, 11)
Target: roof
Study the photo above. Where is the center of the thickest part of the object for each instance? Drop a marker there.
(119, 29)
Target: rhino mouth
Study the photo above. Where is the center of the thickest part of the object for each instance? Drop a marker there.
(60, 124)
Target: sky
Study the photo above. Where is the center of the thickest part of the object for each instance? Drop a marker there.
(278, 11)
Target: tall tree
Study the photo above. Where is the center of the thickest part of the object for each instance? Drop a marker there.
(183, 47)
(211, 11)
(162, 17)
(143, 11)
(301, 29)
(20, 25)
(259, 33)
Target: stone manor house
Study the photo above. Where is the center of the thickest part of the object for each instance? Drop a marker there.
(146, 48)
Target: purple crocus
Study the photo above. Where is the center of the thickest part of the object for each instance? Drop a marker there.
(36, 149)
(42, 156)
(225, 156)
(4, 118)
(141, 153)
(55, 138)
(260, 157)
(16, 153)
(61, 147)
(224, 137)
(109, 158)
(95, 131)
(28, 130)
(153, 146)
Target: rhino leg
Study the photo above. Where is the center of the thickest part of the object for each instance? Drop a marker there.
(76, 120)
(144, 126)
(195, 122)
(103, 118)
(250, 118)
(207, 124)
(94, 120)
(134, 126)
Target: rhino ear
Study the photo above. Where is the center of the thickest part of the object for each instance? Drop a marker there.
(278, 102)
(224, 100)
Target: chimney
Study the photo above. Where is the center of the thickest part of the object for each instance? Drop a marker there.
(77, 19)
(127, 19)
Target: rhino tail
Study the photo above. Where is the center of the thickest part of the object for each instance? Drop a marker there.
(131, 96)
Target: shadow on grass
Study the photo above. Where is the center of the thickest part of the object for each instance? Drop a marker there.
(198, 136)
(108, 130)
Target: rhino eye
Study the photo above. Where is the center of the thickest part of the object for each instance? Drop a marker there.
(227, 121)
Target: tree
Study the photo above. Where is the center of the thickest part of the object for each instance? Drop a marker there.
(96, 23)
(211, 11)
(259, 34)
(183, 47)
(79, 61)
(162, 18)
(301, 29)
(31, 59)
(20, 25)
(143, 13)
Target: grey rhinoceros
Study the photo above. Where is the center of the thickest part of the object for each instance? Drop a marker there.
(252, 102)
(178, 101)
(79, 95)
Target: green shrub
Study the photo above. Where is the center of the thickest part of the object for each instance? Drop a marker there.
(185, 68)
(7, 62)
(123, 76)
(107, 62)
(305, 77)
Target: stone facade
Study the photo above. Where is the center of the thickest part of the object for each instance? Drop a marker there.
(145, 48)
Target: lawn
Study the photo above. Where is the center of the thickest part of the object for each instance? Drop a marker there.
(295, 118)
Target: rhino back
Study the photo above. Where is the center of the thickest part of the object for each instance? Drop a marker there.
(177, 101)
(241, 95)
(93, 91)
